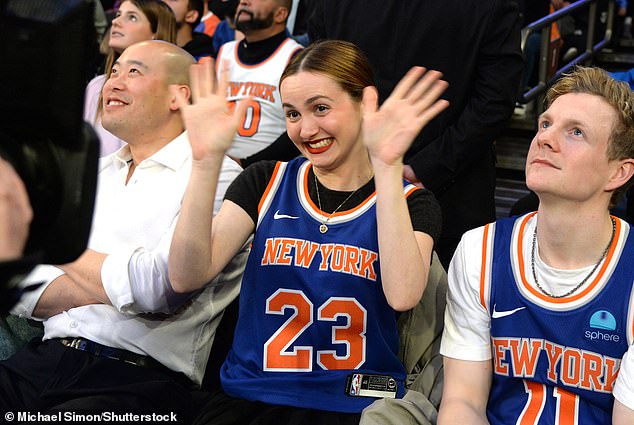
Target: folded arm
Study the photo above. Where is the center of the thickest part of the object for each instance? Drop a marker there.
(61, 295)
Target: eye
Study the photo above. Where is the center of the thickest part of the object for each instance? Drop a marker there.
(544, 124)
(292, 115)
(321, 109)
(133, 71)
(132, 17)
(577, 132)
(114, 70)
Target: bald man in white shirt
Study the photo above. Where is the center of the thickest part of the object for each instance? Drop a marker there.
(104, 348)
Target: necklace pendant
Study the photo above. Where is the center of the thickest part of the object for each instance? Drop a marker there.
(323, 228)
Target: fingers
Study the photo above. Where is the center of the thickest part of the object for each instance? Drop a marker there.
(430, 98)
(421, 89)
(431, 112)
(223, 78)
(430, 86)
(206, 77)
(241, 109)
(424, 93)
(201, 79)
(407, 82)
(370, 99)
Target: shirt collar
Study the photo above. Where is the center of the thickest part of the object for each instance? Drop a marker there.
(172, 155)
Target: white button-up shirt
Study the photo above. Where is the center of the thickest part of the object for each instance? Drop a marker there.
(133, 223)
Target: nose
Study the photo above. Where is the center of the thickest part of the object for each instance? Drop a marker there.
(308, 129)
(114, 82)
(116, 21)
(547, 138)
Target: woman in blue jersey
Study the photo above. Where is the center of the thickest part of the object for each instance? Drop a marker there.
(341, 242)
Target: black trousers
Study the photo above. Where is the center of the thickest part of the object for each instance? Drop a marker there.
(222, 409)
(50, 378)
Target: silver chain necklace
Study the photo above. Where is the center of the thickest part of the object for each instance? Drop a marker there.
(323, 228)
(580, 284)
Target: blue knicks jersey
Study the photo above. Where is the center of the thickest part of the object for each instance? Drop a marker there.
(555, 360)
(312, 308)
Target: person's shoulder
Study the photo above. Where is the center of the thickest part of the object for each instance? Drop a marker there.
(200, 45)
(261, 169)
(474, 236)
(96, 83)
(230, 166)
(228, 46)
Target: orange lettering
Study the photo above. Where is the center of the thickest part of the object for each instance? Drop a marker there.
(524, 358)
(554, 354)
(367, 264)
(499, 345)
(352, 258)
(592, 370)
(337, 257)
(571, 367)
(610, 373)
(304, 253)
(270, 251)
(326, 252)
(283, 256)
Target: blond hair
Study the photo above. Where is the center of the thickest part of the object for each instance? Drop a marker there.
(617, 94)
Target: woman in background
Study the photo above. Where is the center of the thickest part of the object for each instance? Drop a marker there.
(135, 21)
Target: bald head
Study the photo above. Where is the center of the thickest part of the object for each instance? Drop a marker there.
(139, 105)
(175, 60)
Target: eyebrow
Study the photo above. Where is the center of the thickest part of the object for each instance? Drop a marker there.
(133, 62)
(309, 100)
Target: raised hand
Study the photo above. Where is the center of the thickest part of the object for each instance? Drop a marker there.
(390, 130)
(210, 124)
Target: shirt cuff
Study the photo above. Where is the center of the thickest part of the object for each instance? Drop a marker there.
(115, 277)
(41, 275)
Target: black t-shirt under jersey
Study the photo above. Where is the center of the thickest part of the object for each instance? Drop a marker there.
(248, 188)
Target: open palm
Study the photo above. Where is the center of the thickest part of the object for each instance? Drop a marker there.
(389, 130)
(210, 125)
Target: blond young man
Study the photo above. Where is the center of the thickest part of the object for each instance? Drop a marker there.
(539, 313)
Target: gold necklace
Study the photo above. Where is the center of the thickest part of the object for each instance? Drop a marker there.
(323, 228)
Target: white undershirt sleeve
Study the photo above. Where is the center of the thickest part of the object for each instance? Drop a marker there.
(466, 335)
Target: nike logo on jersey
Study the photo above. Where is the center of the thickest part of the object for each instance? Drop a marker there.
(497, 314)
(278, 216)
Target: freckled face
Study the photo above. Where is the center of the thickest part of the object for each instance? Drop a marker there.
(322, 119)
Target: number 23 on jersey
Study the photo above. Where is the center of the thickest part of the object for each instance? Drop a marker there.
(280, 353)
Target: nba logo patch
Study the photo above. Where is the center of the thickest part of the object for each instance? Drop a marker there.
(355, 384)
